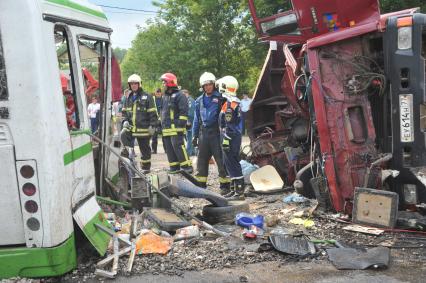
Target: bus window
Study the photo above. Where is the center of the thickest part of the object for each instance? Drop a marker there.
(3, 81)
(72, 103)
(93, 54)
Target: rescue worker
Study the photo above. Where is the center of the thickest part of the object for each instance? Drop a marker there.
(140, 119)
(207, 134)
(231, 135)
(174, 115)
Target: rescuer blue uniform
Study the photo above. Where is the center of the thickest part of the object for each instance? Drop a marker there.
(206, 129)
(231, 135)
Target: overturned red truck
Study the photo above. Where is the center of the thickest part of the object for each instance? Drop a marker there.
(341, 102)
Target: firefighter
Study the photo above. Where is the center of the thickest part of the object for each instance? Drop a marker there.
(231, 135)
(206, 132)
(174, 115)
(140, 119)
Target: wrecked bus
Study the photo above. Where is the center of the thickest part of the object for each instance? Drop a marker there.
(340, 102)
(49, 167)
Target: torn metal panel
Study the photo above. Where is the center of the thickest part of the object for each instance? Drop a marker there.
(348, 258)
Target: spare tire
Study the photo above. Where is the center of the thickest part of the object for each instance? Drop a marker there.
(214, 214)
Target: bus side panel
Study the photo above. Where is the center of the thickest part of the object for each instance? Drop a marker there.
(11, 218)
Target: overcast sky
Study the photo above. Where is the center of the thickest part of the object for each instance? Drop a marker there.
(124, 22)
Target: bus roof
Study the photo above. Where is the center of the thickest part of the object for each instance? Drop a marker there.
(81, 10)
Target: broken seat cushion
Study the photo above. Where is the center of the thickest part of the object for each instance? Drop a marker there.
(349, 258)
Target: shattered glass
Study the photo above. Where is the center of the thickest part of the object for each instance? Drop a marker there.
(3, 81)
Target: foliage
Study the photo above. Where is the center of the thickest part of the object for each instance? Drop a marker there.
(191, 37)
(396, 5)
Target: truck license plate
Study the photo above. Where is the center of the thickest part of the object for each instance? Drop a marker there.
(406, 117)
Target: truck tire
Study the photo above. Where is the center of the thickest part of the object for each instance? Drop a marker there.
(213, 214)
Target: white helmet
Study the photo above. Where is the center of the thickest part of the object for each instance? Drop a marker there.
(134, 79)
(228, 86)
(207, 78)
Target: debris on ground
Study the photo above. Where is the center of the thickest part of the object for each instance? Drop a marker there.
(295, 198)
(364, 229)
(289, 244)
(194, 247)
(247, 220)
(150, 243)
(266, 180)
(307, 223)
(350, 258)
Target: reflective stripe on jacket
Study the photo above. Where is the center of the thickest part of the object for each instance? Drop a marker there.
(174, 112)
(141, 112)
(230, 119)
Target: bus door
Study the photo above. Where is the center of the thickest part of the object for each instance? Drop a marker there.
(83, 98)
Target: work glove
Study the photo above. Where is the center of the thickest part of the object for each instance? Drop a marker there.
(195, 141)
(151, 130)
(225, 145)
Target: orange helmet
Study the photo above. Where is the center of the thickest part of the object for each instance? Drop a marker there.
(169, 79)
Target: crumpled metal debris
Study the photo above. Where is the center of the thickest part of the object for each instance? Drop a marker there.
(349, 258)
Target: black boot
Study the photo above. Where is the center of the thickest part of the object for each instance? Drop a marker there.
(239, 190)
(146, 167)
(188, 169)
(231, 189)
(225, 189)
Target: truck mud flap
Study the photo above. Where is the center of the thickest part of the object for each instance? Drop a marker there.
(86, 214)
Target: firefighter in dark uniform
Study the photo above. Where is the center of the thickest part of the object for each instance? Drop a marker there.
(231, 135)
(174, 115)
(140, 120)
(207, 134)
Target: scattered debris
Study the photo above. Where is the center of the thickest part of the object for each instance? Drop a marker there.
(412, 220)
(186, 233)
(292, 245)
(252, 232)
(375, 207)
(364, 229)
(166, 219)
(150, 243)
(349, 258)
(271, 220)
(246, 220)
(308, 223)
(294, 198)
(247, 169)
(266, 180)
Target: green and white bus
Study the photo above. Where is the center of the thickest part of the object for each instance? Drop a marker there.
(49, 167)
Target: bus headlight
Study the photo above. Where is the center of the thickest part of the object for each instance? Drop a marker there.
(405, 38)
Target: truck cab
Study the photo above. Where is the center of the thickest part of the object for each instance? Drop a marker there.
(340, 98)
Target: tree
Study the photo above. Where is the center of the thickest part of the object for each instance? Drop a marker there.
(191, 37)
(396, 5)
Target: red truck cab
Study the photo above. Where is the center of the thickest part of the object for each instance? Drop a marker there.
(341, 100)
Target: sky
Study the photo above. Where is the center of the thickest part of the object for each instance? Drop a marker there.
(124, 22)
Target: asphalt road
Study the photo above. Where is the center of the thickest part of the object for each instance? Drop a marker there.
(298, 272)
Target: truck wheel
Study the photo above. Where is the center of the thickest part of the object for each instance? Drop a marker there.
(213, 214)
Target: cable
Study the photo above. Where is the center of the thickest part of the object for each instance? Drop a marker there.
(128, 9)
(143, 176)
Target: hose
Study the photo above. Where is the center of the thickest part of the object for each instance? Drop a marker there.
(143, 176)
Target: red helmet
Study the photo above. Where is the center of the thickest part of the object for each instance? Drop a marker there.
(169, 79)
